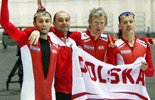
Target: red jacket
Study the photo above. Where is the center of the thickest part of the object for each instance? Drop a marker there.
(35, 86)
(97, 48)
(127, 55)
(63, 75)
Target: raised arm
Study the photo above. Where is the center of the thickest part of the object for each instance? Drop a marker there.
(12, 31)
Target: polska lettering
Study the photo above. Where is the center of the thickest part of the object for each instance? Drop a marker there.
(115, 75)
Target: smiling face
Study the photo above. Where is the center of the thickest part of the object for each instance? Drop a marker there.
(127, 25)
(62, 22)
(43, 22)
(97, 25)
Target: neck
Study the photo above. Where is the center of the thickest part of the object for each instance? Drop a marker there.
(95, 36)
(65, 34)
(43, 37)
(129, 37)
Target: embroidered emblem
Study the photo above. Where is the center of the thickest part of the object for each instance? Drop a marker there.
(54, 51)
(34, 48)
(88, 47)
(101, 47)
(125, 51)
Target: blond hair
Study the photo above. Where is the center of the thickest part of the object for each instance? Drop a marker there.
(97, 12)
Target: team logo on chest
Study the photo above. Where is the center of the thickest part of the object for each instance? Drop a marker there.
(54, 51)
(34, 48)
(125, 51)
(101, 47)
(88, 47)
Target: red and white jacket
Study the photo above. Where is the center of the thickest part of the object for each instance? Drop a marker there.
(97, 48)
(35, 86)
(63, 75)
(127, 55)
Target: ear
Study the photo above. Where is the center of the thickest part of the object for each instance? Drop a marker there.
(53, 23)
(119, 26)
(34, 23)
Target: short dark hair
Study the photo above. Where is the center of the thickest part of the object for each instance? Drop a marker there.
(119, 19)
(36, 14)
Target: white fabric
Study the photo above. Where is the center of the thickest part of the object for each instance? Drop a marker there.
(57, 40)
(84, 88)
(28, 88)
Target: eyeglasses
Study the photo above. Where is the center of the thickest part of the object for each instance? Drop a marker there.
(126, 14)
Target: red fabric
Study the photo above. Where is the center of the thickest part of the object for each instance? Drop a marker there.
(146, 39)
(127, 55)
(12, 31)
(42, 85)
(63, 75)
(97, 48)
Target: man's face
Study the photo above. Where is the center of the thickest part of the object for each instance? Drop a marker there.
(97, 25)
(127, 24)
(62, 22)
(43, 21)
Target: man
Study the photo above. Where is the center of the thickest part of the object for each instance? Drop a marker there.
(129, 47)
(39, 61)
(93, 41)
(63, 76)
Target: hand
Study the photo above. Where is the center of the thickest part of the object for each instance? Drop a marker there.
(34, 37)
(144, 66)
(40, 7)
(150, 42)
(112, 44)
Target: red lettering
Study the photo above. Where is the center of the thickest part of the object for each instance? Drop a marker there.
(141, 78)
(126, 74)
(92, 68)
(99, 74)
(114, 74)
(81, 62)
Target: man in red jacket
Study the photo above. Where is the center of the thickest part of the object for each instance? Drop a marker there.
(39, 61)
(129, 47)
(92, 41)
(60, 35)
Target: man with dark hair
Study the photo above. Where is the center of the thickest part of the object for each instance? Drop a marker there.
(60, 35)
(39, 61)
(129, 47)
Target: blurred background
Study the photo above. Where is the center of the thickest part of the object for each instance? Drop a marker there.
(21, 15)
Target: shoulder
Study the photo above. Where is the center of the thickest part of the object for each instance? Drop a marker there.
(75, 34)
(119, 42)
(142, 42)
(84, 35)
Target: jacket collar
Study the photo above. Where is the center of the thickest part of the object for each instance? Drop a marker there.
(60, 34)
(88, 33)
